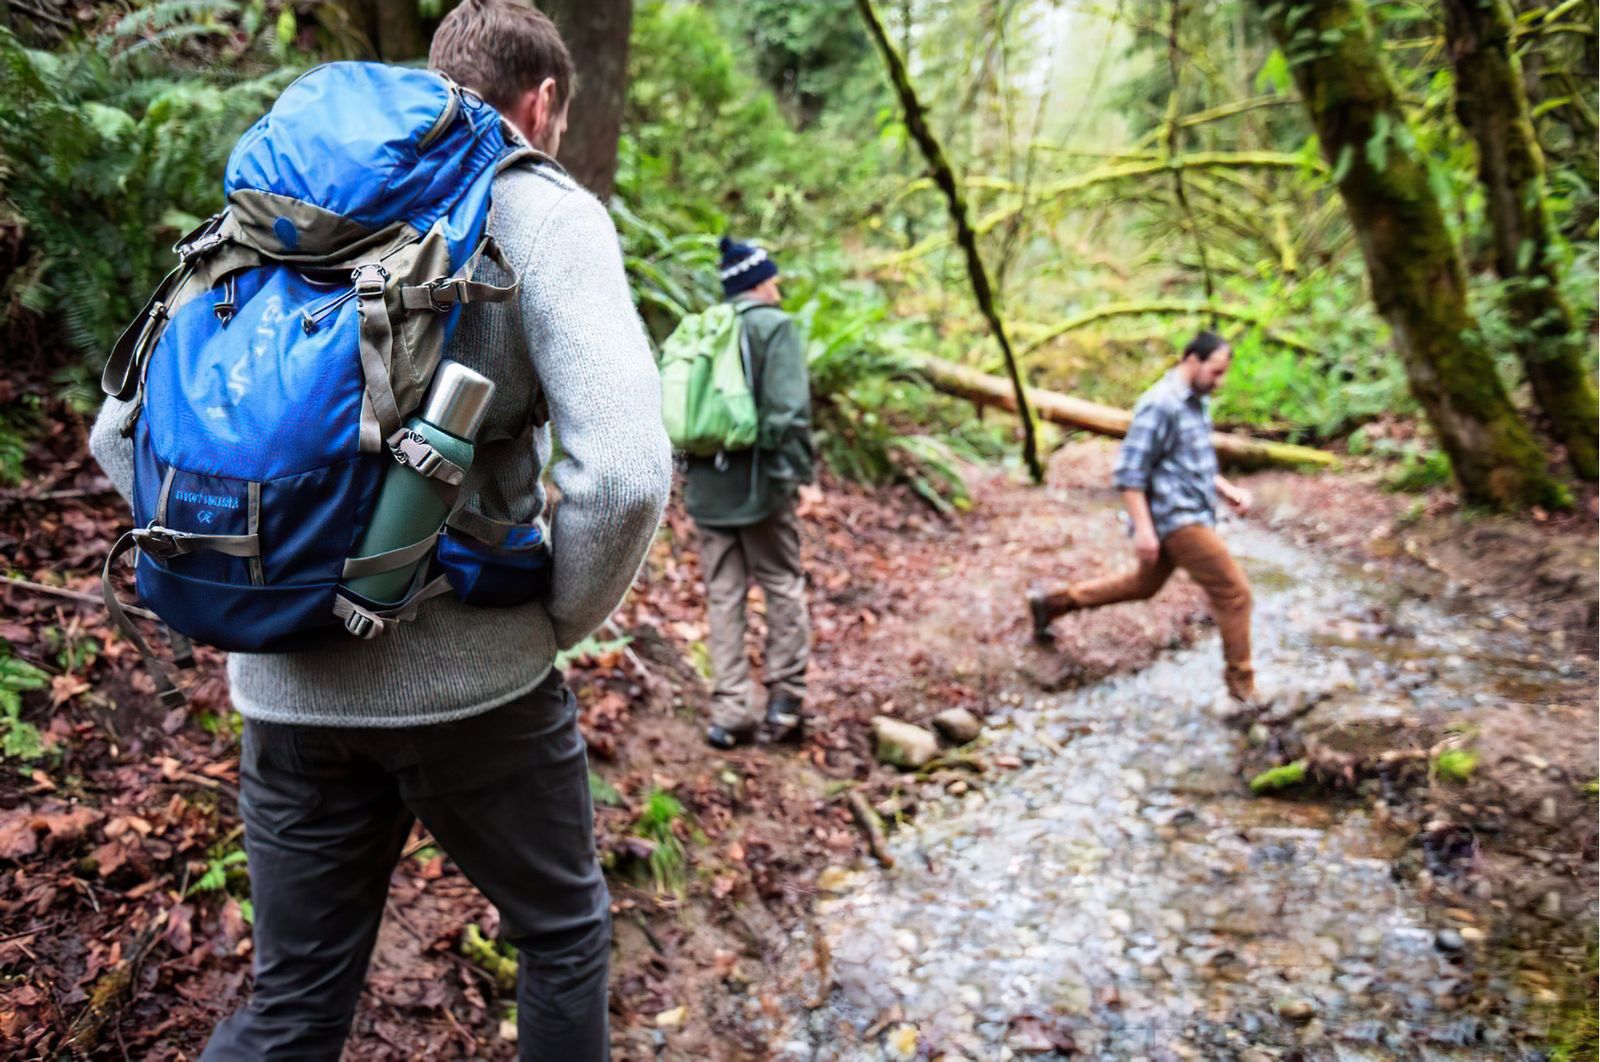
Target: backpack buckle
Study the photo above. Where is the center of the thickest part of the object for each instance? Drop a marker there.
(161, 542)
(202, 238)
(363, 624)
(413, 450)
(369, 279)
(433, 287)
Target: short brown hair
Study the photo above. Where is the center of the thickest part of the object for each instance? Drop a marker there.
(501, 49)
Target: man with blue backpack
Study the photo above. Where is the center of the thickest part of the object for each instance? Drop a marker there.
(402, 292)
(742, 499)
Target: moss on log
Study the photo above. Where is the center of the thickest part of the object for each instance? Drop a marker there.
(1069, 412)
(1165, 307)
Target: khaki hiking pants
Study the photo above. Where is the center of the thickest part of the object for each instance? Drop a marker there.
(1200, 551)
(769, 553)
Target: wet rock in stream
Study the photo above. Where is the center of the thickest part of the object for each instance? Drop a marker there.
(903, 744)
(1121, 897)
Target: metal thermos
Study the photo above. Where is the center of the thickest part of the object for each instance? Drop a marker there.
(409, 509)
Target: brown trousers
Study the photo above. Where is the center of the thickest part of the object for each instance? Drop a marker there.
(1198, 550)
(768, 552)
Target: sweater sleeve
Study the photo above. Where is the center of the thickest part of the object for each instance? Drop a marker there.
(595, 368)
(112, 449)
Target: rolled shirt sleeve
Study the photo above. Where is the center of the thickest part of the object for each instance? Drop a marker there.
(1141, 447)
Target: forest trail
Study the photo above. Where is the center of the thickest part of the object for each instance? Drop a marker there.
(913, 614)
(1123, 894)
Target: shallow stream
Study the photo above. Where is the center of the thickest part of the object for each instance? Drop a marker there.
(1122, 895)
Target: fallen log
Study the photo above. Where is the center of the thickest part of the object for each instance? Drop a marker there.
(1070, 412)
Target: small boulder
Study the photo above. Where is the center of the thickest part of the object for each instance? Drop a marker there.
(958, 725)
(1298, 1011)
(902, 744)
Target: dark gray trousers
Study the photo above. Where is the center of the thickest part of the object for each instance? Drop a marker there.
(326, 813)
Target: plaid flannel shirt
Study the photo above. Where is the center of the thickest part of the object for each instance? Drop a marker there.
(1168, 455)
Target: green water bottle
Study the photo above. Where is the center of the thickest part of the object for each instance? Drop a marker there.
(410, 509)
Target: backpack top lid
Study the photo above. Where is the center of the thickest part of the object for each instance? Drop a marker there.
(352, 148)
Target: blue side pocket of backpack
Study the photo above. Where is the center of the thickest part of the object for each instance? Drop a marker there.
(513, 573)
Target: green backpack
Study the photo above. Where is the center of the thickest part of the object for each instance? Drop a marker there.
(706, 399)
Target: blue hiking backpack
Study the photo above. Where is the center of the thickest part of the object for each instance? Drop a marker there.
(273, 369)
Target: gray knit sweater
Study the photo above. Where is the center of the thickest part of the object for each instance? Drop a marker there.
(574, 331)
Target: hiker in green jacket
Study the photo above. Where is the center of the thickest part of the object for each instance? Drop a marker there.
(743, 503)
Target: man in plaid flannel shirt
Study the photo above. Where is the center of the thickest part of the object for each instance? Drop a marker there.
(1167, 473)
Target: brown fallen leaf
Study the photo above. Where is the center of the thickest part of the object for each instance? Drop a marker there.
(17, 838)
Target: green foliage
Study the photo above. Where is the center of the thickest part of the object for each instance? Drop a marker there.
(1455, 765)
(876, 422)
(1276, 778)
(19, 740)
(495, 957)
(15, 426)
(1575, 1036)
(1420, 471)
(225, 870)
(657, 824)
(603, 792)
(704, 147)
(807, 53)
(1417, 465)
(110, 150)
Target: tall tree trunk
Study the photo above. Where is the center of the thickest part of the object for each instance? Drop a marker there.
(1414, 267)
(596, 32)
(945, 178)
(1493, 107)
(400, 35)
(390, 30)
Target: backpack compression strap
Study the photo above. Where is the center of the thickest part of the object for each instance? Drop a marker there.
(164, 544)
(459, 289)
(370, 623)
(439, 295)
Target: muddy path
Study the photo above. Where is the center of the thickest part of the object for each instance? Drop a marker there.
(1124, 895)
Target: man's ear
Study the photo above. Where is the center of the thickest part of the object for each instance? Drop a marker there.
(547, 107)
(524, 113)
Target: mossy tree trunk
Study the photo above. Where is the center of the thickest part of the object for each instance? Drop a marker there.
(982, 290)
(1493, 106)
(596, 32)
(390, 30)
(1418, 282)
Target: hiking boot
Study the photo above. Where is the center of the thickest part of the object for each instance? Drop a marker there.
(1039, 609)
(1242, 710)
(724, 738)
(1254, 699)
(784, 719)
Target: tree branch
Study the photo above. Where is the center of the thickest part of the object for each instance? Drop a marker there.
(966, 237)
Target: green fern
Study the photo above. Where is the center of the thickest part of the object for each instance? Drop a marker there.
(668, 863)
(19, 740)
(108, 146)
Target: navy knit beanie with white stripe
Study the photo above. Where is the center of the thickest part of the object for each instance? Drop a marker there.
(744, 266)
